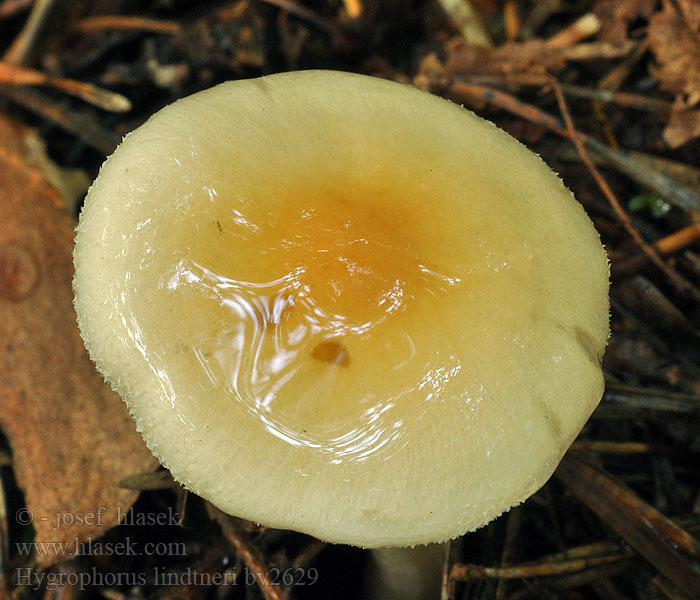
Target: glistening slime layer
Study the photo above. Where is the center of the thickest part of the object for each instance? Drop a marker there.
(309, 292)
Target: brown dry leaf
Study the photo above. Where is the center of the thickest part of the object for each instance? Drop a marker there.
(683, 126)
(617, 15)
(674, 38)
(71, 436)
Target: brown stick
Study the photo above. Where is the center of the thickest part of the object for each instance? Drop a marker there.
(248, 552)
(464, 572)
(16, 75)
(654, 536)
(678, 240)
(125, 23)
(681, 283)
(9, 8)
(22, 45)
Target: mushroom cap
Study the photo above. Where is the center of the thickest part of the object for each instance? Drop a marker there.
(343, 306)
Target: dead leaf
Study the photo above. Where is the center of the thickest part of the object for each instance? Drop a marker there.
(674, 38)
(683, 126)
(71, 436)
(616, 16)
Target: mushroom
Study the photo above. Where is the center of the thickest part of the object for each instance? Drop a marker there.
(343, 306)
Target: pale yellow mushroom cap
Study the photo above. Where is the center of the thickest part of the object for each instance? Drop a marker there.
(343, 306)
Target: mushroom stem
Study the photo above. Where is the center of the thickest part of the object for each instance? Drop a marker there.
(406, 573)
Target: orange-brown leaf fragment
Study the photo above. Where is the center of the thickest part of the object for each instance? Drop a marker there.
(72, 438)
(683, 126)
(674, 38)
(616, 16)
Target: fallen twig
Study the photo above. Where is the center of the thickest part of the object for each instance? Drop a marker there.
(249, 553)
(655, 537)
(15, 75)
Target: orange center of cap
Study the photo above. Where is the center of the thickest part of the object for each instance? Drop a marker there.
(351, 262)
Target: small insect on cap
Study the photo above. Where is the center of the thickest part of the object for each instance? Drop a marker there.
(343, 306)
